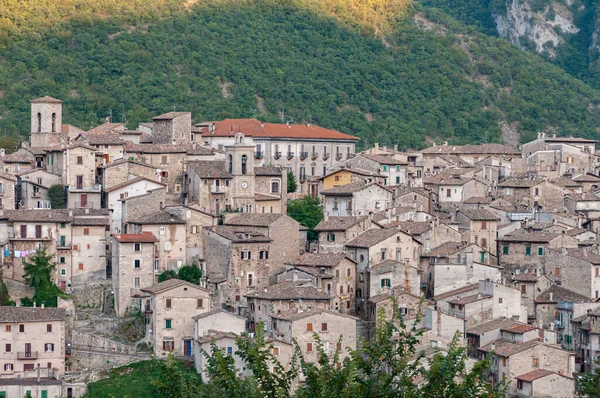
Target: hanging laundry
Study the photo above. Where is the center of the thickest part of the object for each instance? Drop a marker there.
(17, 253)
(6, 253)
(25, 253)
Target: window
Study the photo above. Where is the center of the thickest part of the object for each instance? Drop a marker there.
(49, 328)
(79, 159)
(540, 251)
(168, 345)
(137, 247)
(8, 348)
(528, 250)
(136, 281)
(164, 159)
(330, 237)
(520, 384)
(483, 242)
(168, 323)
(49, 347)
(246, 255)
(8, 328)
(341, 289)
(524, 288)
(557, 272)
(397, 180)
(21, 328)
(200, 303)
(536, 362)
(62, 260)
(86, 231)
(237, 297)
(8, 366)
(309, 327)
(484, 225)
(448, 192)
(386, 282)
(323, 327)
(597, 271)
(250, 280)
(505, 250)
(80, 266)
(137, 263)
(384, 168)
(383, 254)
(275, 350)
(229, 350)
(263, 255)
(244, 164)
(28, 366)
(168, 303)
(308, 347)
(500, 300)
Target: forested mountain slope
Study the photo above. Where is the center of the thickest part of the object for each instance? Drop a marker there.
(429, 76)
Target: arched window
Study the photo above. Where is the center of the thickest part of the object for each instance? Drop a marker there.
(230, 164)
(39, 123)
(244, 161)
(275, 186)
(54, 122)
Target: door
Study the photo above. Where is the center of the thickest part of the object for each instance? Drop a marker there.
(187, 347)
(38, 231)
(63, 241)
(27, 350)
(69, 392)
(79, 182)
(23, 231)
(84, 200)
(63, 285)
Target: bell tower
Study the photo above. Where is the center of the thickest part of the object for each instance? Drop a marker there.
(46, 122)
(239, 162)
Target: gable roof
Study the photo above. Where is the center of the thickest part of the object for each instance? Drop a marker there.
(271, 171)
(506, 348)
(384, 159)
(170, 115)
(290, 290)
(107, 127)
(560, 293)
(238, 234)
(46, 100)
(214, 312)
(210, 168)
(254, 128)
(161, 218)
(534, 375)
(350, 188)
(445, 249)
(31, 314)
(479, 215)
(319, 259)
(338, 223)
(498, 149)
(296, 315)
(494, 324)
(144, 237)
(170, 284)
(254, 219)
(130, 182)
(372, 237)
(520, 183)
(522, 236)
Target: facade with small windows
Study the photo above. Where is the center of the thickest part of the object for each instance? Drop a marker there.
(84, 190)
(577, 269)
(336, 331)
(168, 312)
(481, 227)
(46, 122)
(133, 268)
(32, 338)
(32, 188)
(356, 199)
(335, 232)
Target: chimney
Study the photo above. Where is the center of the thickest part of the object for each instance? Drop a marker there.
(377, 146)
(585, 251)
(326, 216)
(395, 147)
(70, 213)
(493, 346)
(213, 228)
(445, 143)
(87, 210)
(34, 304)
(551, 296)
(565, 251)
(43, 306)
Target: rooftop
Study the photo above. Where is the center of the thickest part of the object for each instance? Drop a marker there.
(319, 259)
(523, 236)
(210, 168)
(46, 100)
(144, 237)
(494, 324)
(268, 171)
(239, 234)
(487, 149)
(445, 249)
(506, 348)
(254, 128)
(479, 215)
(31, 314)
(520, 183)
(290, 290)
(168, 285)
(534, 375)
(372, 237)
(254, 219)
(560, 293)
(338, 223)
(170, 115)
(295, 315)
(162, 218)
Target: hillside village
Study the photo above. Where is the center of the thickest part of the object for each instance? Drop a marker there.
(497, 243)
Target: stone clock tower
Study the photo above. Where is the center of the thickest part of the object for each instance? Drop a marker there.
(239, 161)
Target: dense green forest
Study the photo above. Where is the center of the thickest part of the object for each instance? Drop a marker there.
(430, 76)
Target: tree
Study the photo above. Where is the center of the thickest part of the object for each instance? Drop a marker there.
(57, 196)
(589, 383)
(308, 212)
(170, 381)
(292, 186)
(38, 273)
(190, 273)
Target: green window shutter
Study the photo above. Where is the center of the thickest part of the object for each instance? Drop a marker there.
(397, 168)
(168, 323)
(384, 168)
(44, 393)
(505, 250)
(397, 180)
(540, 251)
(2, 394)
(382, 283)
(528, 250)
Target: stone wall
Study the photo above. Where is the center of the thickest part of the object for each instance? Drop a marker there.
(18, 289)
(91, 294)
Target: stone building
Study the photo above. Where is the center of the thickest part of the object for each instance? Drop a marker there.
(545, 383)
(547, 305)
(471, 153)
(335, 232)
(32, 189)
(133, 268)
(375, 246)
(577, 269)
(480, 228)
(120, 171)
(346, 175)
(356, 199)
(534, 193)
(33, 340)
(169, 310)
(46, 122)
(172, 128)
(418, 197)
(281, 298)
(333, 273)
(170, 250)
(89, 254)
(336, 331)
(83, 189)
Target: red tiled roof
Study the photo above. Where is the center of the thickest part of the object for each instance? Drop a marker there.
(534, 375)
(144, 237)
(46, 99)
(254, 128)
(519, 328)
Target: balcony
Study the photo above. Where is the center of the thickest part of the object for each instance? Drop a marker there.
(258, 155)
(558, 324)
(302, 177)
(217, 189)
(81, 187)
(303, 155)
(27, 355)
(564, 305)
(325, 156)
(350, 155)
(314, 155)
(338, 156)
(63, 245)
(277, 155)
(36, 194)
(290, 155)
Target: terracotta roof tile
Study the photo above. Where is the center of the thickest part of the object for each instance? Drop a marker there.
(144, 237)
(290, 290)
(107, 128)
(254, 219)
(479, 215)
(254, 128)
(445, 249)
(170, 284)
(31, 314)
(339, 223)
(560, 293)
(494, 324)
(385, 160)
(210, 169)
(268, 171)
(318, 259)
(372, 237)
(46, 100)
(518, 328)
(239, 234)
(506, 348)
(523, 236)
(161, 218)
(487, 149)
(534, 375)
(170, 115)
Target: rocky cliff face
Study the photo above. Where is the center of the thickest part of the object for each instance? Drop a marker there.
(537, 24)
